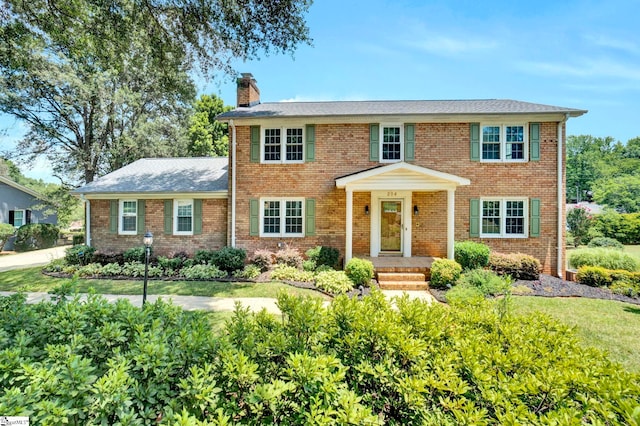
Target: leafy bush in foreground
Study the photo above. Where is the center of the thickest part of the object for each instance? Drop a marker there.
(603, 257)
(354, 362)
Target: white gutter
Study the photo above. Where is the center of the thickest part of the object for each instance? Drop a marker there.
(233, 183)
(561, 196)
(87, 220)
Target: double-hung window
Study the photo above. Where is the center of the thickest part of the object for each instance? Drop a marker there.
(392, 142)
(128, 217)
(282, 217)
(19, 218)
(283, 145)
(503, 217)
(183, 217)
(504, 142)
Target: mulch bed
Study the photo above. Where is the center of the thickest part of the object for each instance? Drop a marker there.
(548, 286)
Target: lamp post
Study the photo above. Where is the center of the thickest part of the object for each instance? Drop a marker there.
(147, 240)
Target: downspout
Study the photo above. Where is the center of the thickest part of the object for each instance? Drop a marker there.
(87, 220)
(561, 202)
(233, 183)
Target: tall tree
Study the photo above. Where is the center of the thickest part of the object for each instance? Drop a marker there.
(586, 163)
(102, 83)
(207, 136)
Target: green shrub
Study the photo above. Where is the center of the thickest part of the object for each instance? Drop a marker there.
(323, 255)
(111, 270)
(465, 295)
(89, 270)
(106, 258)
(626, 288)
(488, 282)
(579, 220)
(204, 257)
(36, 236)
(444, 273)
(249, 272)
(519, 266)
(202, 272)
(334, 282)
(135, 254)
(229, 259)
(359, 271)
(604, 257)
(606, 242)
(624, 227)
(594, 276)
(6, 231)
(79, 255)
(471, 255)
(290, 273)
(309, 265)
(77, 239)
(263, 259)
(289, 256)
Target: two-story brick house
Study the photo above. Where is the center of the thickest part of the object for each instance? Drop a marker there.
(397, 178)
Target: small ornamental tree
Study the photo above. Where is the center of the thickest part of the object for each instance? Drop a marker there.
(579, 221)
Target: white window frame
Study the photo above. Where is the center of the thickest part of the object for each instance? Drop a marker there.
(24, 217)
(381, 139)
(283, 209)
(503, 142)
(176, 204)
(503, 217)
(121, 215)
(283, 144)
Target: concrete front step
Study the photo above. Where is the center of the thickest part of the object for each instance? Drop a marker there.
(401, 276)
(403, 285)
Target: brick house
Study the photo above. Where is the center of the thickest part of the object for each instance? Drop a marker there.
(390, 178)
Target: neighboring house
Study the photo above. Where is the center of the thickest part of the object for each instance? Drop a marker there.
(381, 178)
(20, 205)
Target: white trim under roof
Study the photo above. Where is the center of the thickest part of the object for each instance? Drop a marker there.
(153, 195)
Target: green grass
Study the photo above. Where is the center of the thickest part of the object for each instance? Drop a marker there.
(633, 251)
(604, 324)
(32, 280)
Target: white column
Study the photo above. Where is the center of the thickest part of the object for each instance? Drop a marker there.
(451, 218)
(348, 250)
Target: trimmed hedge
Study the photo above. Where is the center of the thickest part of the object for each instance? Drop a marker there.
(606, 242)
(519, 266)
(444, 273)
(36, 236)
(360, 271)
(6, 232)
(471, 255)
(603, 257)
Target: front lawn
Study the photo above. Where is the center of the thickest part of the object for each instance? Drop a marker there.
(32, 280)
(607, 325)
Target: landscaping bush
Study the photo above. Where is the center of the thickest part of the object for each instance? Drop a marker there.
(263, 259)
(135, 254)
(624, 227)
(249, 272)
(444, 273)
(56, 265)
(465, 295)
(36, 236)
(111, 270)
(517, 265)
(202, 272)
(229, 259)
(106, 258)
(471, 255)
(6, 232)
(289, 256)
(77, 239)
(625, 288)
(594, 276)
(334, 282)
(290, 273)
(488, 282)
(89, 270)
(604, 257)
(323, 255)
(308, 265)
(579, 221)
(204, 257)
(606, 242)
(359, 271)
(79, 255)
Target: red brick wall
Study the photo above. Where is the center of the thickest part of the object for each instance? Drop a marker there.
(343, 149)
(214, 229)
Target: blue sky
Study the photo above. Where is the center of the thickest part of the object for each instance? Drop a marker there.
(575, 53)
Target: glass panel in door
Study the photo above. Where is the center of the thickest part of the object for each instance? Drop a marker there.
(390, 226)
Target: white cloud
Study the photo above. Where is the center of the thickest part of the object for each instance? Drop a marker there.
(446, 45)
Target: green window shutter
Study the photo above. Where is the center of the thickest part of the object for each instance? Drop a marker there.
(474, 130)
(474, 217)
(534, 142)
(254, 217)
(255, 144)
(141, 213)
(409, 142)
(113, 217)
(534, 217)
(168, 217)
(374, 142)
(197, 217)
(310, 217)
(310, 135)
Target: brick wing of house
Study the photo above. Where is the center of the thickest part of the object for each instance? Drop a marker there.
(372, 178)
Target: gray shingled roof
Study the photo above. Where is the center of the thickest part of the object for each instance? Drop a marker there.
(365, 108)
(164, 175)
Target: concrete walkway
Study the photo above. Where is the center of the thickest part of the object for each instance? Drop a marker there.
(30, 259)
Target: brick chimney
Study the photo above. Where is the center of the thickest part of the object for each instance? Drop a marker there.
(248, 92)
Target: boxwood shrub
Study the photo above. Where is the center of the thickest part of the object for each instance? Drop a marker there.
(79, 255)
(444, 273)
(471, 255)
(229, 259)
(518, 265)
(359, 271)
(323, 255)
(606, 242)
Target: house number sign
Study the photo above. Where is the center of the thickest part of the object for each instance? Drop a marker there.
(392, 194)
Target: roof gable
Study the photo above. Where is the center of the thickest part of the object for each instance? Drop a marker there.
(22, 188)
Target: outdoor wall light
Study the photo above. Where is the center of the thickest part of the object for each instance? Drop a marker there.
(366, 210)
(415, 210)
(147, 240)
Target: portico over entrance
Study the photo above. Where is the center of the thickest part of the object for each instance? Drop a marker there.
(391, 210)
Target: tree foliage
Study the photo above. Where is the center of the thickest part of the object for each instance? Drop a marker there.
(207, 136)
(100, 84)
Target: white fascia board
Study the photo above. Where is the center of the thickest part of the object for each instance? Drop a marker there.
(154, 195)
(356, 178)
